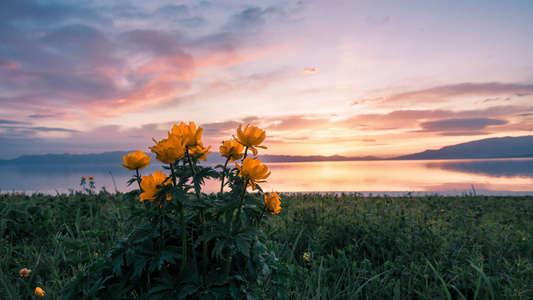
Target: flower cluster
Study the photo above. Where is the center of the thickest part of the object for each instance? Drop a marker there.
(184, 140)
(217, 235)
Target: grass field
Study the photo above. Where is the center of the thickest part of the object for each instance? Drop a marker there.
(332, 246)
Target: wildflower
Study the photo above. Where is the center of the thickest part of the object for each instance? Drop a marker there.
(232, 150)
(150, 185)
(24, 272)
(136, 160)
(273, 203)
(91, 177)
(39, 292)
(251, 137)
(169, 150)
(201, 151)
(188, 132)
(83, 178)
(306, 256)
(254, 171)
(95, 256)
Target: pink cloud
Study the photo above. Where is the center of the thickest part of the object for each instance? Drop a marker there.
(308, 71)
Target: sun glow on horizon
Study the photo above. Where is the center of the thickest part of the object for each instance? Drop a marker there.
(350, 78)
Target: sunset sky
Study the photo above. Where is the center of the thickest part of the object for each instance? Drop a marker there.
(352, 78)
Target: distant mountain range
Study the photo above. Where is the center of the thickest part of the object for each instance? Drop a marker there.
(505, 147)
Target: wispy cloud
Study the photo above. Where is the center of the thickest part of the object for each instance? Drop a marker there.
(450, 91)
(10, 122)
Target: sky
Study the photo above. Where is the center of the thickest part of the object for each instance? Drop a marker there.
(352, 78)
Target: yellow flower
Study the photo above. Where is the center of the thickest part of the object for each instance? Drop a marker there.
(95, 256)
(150, 185)
(136, 160)
(169, 150)
(91, 178)
(273, 203)
(39, 292)
(200, 150)
(306, 256)
(251, 137)
(231, 149)
(82, 177)
(24, 272)
(188, 132)
(253, 170)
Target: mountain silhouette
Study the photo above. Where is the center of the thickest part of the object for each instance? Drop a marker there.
(505, 147)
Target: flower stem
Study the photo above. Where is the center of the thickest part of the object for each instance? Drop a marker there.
(182, 222)
(245, 152)
(202, 218)
(138, 179)
(238, 215)
(261, 216)
(173, 174)
(161, 219)
(223, 176)
(183, 235)
(189, 159)
(228, 260)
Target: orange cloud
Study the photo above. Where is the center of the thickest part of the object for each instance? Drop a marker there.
(160, 80)
(308, 71)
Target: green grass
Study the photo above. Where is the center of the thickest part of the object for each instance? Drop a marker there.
(336, 247)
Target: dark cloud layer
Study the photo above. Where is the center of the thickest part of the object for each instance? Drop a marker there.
(466, 124)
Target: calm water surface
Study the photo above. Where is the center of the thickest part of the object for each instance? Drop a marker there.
(489, 177)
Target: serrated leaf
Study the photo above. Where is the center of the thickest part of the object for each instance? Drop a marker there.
(166, 256)
(220, 245)
(243, 246)
(138, 267)
(160, 292)
(116, 264)
(207, 237)
(189, 289)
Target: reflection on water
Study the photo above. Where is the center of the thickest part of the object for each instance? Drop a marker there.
(493, 167)
(502, 177)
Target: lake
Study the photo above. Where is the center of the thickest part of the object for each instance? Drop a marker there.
(419, 177)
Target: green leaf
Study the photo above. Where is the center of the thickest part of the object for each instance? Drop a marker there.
(138, 267)
(243, 246)
(117, 263)
(166, 257)
(160, 292)
(189, 289)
